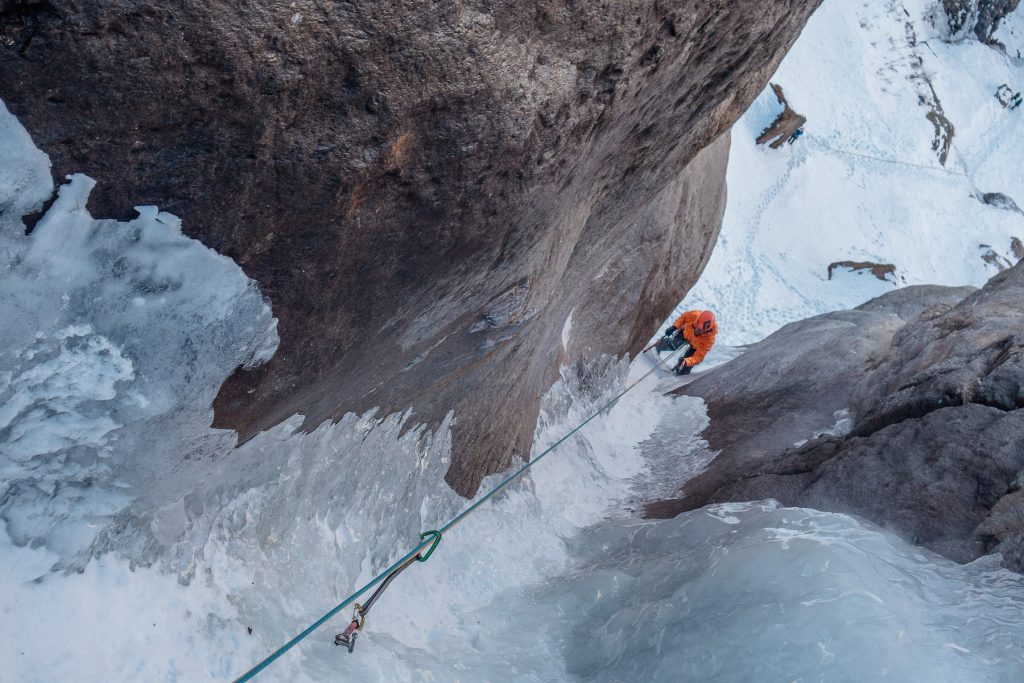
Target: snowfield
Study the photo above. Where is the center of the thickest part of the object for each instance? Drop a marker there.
(139, 544)
(864, 184)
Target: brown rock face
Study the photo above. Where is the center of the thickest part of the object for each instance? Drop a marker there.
(426, 192)
(880, 270)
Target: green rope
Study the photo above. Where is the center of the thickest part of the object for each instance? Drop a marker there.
(433, 538)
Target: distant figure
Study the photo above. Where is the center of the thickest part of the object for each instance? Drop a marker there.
(1015, 101)
(1005, 95)
(796, 135)
(696, 328)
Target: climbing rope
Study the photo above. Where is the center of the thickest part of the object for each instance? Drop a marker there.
(431, 539)
(898, 162)
(348, 637)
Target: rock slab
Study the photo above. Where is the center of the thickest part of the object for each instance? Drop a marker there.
(935, 445)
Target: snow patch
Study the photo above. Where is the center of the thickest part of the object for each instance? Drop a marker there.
(567, 330)
(863, 183)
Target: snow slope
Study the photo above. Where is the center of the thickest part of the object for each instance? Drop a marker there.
(864, 184)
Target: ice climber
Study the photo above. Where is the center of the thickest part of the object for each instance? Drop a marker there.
(696, 328)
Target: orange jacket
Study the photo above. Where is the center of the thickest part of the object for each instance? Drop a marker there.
(702, 344)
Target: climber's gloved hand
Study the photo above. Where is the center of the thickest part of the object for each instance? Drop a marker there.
(682, 368)
(671, 331)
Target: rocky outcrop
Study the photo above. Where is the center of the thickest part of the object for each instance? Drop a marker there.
(935, 480)
(995, 259)
(970, 353)
(906, 303)
(998, 200)
(784, 125)
(980, 16)
(781, 391)
(429, 195)
(935, 446)
(880, 270)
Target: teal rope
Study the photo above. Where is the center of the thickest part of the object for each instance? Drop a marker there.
(433, 539)
(555, 445)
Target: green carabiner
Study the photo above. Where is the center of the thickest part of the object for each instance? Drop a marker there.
(436, 535)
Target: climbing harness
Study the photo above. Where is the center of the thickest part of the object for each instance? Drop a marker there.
(428, 543)
(347, 637)
(675, 343)
(658, 342)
